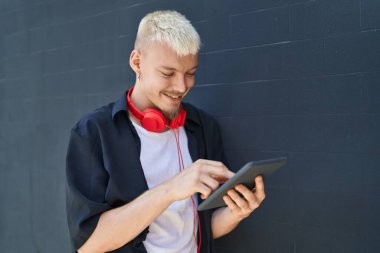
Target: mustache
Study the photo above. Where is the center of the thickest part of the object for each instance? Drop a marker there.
(175, 94)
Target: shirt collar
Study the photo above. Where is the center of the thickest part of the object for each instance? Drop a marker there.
(121, 105)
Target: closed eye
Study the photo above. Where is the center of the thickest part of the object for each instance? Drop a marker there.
(167, 74)
(191, 74)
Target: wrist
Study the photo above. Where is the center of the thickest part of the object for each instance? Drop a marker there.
(166, 192)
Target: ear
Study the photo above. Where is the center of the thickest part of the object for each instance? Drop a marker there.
(134, 61)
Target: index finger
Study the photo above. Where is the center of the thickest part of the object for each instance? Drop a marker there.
(210, 162)
(217, 170)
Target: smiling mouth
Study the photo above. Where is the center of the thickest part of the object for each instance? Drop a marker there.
(173, 98)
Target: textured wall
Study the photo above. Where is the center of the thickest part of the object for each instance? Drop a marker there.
(283, 77)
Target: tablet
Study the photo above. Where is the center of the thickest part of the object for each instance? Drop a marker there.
(244, 176)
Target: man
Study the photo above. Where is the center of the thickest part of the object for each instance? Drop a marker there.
(137, 168)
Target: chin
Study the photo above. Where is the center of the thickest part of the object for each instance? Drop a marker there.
(170, 113)
(169, 110)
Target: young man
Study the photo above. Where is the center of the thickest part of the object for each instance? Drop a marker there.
(137, 168)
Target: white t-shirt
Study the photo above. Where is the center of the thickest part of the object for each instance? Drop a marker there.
(173, 230)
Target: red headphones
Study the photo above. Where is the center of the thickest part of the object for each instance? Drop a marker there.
(152, 119)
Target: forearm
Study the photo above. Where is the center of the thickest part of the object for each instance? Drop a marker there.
(223, 222)
(118, 226)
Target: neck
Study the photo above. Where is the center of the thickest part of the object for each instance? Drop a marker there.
(138, 99)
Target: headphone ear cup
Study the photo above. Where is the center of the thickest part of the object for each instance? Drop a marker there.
(153, 120)
(182, 117)
(179, 120)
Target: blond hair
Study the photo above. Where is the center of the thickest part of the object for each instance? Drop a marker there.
(171, 28)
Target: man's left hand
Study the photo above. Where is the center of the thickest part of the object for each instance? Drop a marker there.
(243, 201)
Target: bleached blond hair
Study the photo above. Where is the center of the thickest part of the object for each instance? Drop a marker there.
(171, 28)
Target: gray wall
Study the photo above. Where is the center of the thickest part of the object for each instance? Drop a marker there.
(283, 77)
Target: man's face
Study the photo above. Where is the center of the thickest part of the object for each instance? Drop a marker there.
(166, 78)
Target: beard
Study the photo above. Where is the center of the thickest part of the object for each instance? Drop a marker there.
(171, 114)
(171, 111)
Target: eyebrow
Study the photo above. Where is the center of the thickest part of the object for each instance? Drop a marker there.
(171, 68)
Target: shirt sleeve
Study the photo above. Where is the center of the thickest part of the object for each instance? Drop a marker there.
(86, 185)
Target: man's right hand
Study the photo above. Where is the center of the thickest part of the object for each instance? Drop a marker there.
(203, 176)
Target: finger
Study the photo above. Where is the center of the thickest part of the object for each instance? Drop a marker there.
(230, 203)
(215, 168)
(240, 202)
(219, 179)
(259, 183)
(260, 191)
(204, 190)
(210, 162)
(252, 199)
(209, 182)
(218, 172)
(247, 193)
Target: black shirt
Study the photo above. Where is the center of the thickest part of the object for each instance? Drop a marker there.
(103, 168)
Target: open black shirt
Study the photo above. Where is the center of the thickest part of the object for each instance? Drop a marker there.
(104, 171)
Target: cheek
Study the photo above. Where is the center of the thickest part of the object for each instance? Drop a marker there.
(156, 86)
(190, 82)
(154, 82)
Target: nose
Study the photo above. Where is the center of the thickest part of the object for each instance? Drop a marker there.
(181, 84)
